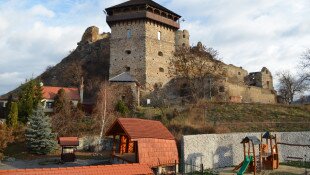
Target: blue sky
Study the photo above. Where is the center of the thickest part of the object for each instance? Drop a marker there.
(249, 33)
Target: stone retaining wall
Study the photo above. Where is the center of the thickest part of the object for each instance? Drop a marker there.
(223, 150)
(91, 143)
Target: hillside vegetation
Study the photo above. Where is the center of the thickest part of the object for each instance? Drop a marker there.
(230, 117)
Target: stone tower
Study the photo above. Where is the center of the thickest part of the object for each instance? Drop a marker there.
(143, 38)
(182, 38)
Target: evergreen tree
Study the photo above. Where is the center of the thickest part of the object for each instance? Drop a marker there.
(60, 100)
(29, 98)
(39, 136)
(12, 117)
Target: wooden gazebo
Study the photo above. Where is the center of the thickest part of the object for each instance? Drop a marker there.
(143, 141)
(68, 147)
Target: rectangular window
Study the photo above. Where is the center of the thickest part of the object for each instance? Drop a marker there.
(49, 105)
(159, 35)
(128, 33)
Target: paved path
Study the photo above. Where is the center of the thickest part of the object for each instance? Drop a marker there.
(50, 163)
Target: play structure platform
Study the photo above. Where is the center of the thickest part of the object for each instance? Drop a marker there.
(266, 158)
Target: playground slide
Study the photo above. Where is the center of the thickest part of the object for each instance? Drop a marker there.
(245, 165)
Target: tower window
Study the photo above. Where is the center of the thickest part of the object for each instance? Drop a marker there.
(184, 36)
(161, 69)
(160, 54)
(183, 45)
(128, 33)
(128, 52)
(127, 69)
(239, 73)
(159, 35)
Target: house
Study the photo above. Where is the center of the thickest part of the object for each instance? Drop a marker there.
(49, 94)
(122, 169)
(145, 142)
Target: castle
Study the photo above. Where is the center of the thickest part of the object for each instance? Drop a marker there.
(144, 36)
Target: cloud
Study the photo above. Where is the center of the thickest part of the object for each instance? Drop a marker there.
(40, 10)
(251, 34)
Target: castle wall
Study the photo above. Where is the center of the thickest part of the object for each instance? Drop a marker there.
(121, 45)
(251, 94)
(158, 54)
(235, 74)
(266, 79)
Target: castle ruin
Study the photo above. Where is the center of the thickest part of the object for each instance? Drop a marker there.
(144, 36)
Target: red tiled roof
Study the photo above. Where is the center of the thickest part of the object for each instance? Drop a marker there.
(140, 128)
(157, 152)
(119, 169)
(50, 92)
(68, 141)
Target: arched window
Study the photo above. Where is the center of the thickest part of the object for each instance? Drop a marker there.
(160, 54)
(128, 52)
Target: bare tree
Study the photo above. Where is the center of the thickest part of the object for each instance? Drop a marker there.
(104, 109)
(305, 64)
(290, 86)
(197, 66)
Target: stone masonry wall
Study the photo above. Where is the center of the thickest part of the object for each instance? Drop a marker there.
(158, 54)
(223, 150)
(251, 94)
(120, 58)
(235, 74)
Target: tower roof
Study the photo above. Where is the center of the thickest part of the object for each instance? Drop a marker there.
(142, 2)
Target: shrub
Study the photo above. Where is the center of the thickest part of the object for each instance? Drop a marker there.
(121, 108)
(12, 118)
(5, 138)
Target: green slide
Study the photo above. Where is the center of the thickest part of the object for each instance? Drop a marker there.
(245, 165)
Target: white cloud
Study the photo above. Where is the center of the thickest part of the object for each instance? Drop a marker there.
(40, 10)
(251, 34)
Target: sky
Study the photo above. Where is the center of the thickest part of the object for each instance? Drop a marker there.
(35, 34)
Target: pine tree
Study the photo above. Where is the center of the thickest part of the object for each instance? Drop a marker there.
(12, 117)
(29, 98)
(39, 136)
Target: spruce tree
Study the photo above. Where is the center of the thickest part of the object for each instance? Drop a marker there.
(12, 117)
(39, 136)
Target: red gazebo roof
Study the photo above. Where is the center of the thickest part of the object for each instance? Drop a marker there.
(140, 128)
(68, 141)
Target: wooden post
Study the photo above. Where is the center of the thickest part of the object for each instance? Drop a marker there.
(201, 168)
(254, 156)
(114, 146)
(272, 155)
(243, 150)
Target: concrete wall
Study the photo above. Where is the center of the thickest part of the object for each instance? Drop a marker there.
(223, 150)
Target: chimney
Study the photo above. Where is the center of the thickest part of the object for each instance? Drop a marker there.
(82, 90)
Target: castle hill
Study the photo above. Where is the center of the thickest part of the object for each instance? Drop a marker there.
(132, 87)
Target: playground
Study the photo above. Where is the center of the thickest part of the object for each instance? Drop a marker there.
(282, 170)
(261, 156)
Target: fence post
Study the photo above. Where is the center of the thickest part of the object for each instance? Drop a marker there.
(175, 166)
(201, 168)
